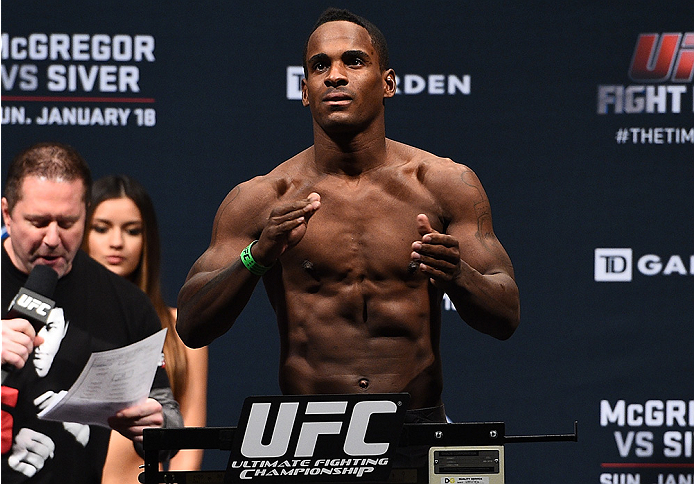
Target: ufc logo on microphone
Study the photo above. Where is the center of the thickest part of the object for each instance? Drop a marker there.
(34, 305)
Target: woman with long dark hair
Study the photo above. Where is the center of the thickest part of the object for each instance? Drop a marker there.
(122, 234)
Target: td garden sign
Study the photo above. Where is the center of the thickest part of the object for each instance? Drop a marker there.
(309, 439)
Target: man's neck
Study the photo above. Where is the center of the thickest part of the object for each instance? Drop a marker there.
(351, 155)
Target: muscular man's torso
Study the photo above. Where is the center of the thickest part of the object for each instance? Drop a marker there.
(354, 313)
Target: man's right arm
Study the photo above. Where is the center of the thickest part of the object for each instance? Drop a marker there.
(213, 296)
(219, 286)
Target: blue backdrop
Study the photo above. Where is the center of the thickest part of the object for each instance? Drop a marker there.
(578, 118)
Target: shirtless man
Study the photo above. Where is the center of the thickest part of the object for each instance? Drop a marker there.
(358, 237)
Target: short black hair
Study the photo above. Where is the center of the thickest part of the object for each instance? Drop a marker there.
(378, 40)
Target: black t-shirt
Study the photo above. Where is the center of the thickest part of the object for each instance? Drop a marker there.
(101, 311)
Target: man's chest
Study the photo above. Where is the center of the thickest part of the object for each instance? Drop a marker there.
(363, 231)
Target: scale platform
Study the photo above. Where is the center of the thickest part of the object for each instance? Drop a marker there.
(458, 453)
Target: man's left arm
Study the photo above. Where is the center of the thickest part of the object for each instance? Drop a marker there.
(160, 410)
(467, 261)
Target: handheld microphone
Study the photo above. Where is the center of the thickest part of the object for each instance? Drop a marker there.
(33, 302)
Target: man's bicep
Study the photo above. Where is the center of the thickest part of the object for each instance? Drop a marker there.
(478, 250)
(233, 229)
(472, 226)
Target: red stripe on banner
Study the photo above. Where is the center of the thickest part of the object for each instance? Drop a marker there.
(648, 465)
(79, 99)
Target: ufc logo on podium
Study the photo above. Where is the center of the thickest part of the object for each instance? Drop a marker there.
(317, 438)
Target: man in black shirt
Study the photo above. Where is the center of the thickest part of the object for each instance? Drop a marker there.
(44, 208)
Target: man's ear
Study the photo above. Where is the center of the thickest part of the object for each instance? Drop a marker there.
(389, 83)
(6, 213)
(304, 92)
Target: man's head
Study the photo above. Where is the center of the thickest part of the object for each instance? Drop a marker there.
(44, 206)
(346, 83)
(378, 40)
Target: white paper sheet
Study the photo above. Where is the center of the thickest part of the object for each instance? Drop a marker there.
(111, 381)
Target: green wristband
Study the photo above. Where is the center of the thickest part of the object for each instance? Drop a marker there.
(250, 262)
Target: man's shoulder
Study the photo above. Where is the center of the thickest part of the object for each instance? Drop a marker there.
(276, 182)
(430, 168)
(247, 205)
(294, 168)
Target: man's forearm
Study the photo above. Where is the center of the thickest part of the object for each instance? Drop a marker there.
(489, 303)
(207, 309)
